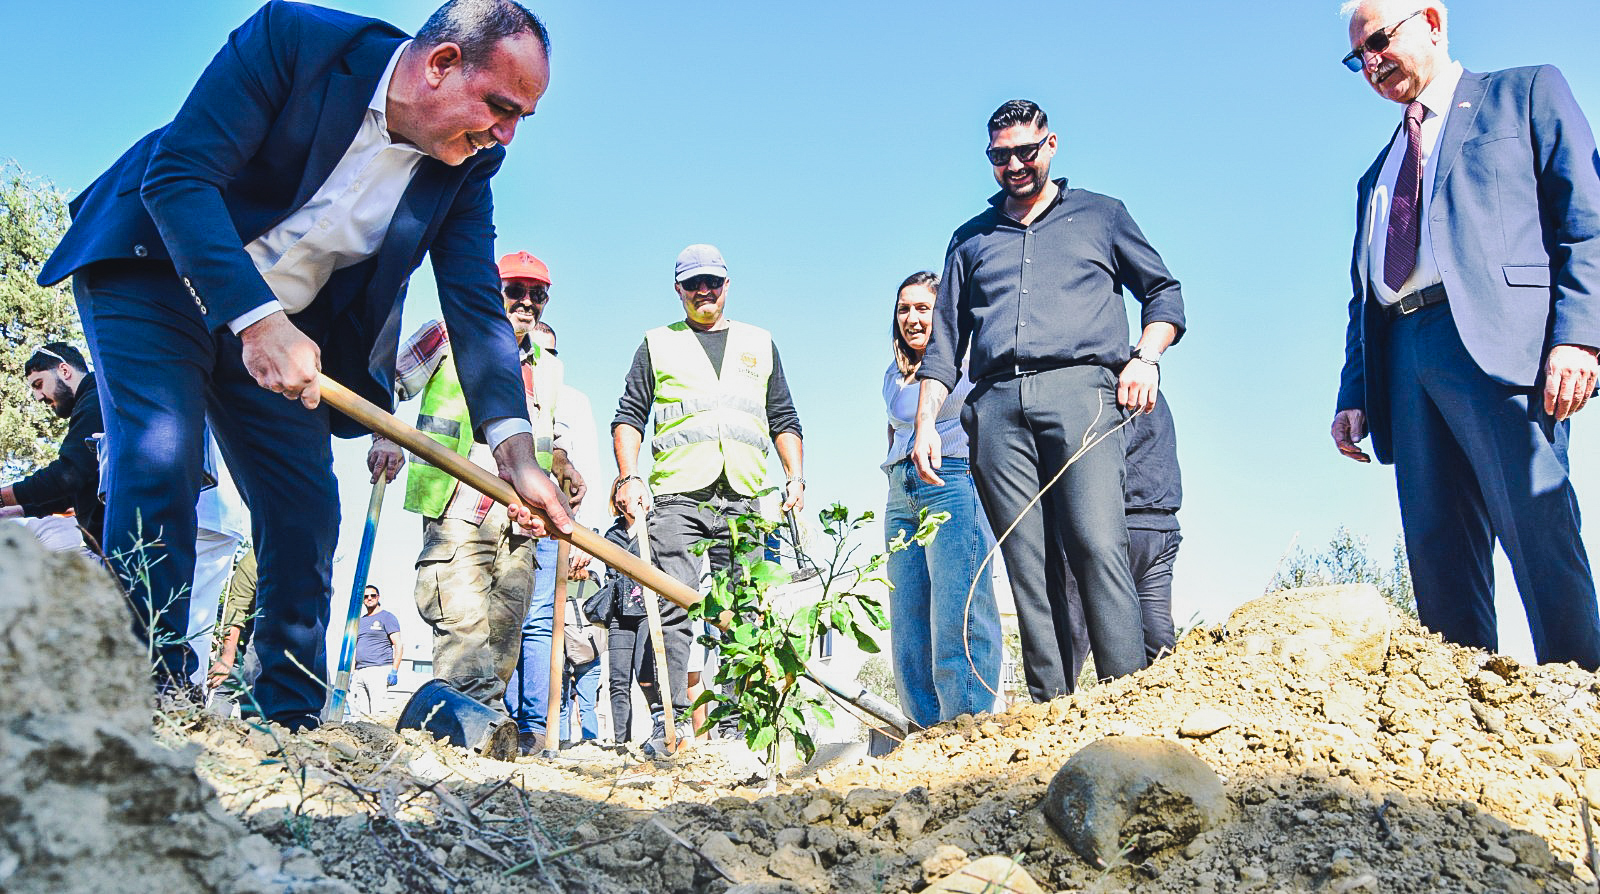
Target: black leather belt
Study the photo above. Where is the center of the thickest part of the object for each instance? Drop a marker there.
(1022, 371)
(1410, 304)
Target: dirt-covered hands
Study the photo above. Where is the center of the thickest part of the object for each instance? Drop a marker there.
(384, 458)
(1349, 427)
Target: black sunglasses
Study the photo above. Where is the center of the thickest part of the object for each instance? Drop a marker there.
(1376, 42)
(703, 281)
(517, 291)
(1001, 156)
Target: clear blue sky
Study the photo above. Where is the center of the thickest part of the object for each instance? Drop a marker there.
(829, 149)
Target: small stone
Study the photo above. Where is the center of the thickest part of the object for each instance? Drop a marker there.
(1252, 874)
(790, 836)
(816, 810)
(1343, 862)
(1444, 755)
(1535, 727)
(793, 863)
(1366, 881)
(256, 852)
(909, 815)
(720, 848)
(1499, 853)
(1557, 754)
(1306, 815)
(989, 728)
(1203, 722)
(988, 875)
(300, 863)
(1131, 792)
(944, 860)
(864, 802)
(1492, 719)
(1591, 787)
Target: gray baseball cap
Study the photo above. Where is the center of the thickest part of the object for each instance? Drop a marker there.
(698, 259)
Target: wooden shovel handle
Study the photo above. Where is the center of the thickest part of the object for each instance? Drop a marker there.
(491, 485)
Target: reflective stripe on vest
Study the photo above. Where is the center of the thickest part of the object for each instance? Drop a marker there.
(708, 425)
(444, 417)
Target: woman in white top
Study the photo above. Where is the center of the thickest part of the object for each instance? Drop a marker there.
(946, 653)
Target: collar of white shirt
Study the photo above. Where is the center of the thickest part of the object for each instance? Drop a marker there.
(1437, 96)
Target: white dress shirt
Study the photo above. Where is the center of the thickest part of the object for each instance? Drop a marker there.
(344, 222)
(1436, 100)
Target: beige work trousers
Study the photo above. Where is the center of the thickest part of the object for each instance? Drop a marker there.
(473, 587)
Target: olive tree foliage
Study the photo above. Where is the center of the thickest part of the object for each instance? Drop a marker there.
(1345, 561)
(33, 216)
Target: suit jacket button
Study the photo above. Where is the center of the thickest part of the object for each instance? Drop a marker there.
(139, 251)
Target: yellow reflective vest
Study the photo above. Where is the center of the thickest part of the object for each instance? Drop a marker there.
(443, 416)
(708, 424)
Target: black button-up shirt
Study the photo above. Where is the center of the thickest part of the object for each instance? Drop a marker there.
(1048, 294)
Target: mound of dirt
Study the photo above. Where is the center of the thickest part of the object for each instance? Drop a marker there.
(1355, 753)
(88, 800)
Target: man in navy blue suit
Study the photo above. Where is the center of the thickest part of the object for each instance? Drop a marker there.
(266, 233)
(1474, 322)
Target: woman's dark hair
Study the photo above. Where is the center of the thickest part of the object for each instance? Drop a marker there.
(906, 358)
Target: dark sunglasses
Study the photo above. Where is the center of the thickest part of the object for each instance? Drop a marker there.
(48, 353)
(704, 281)
(517, 291)
(1001, 156)
(1376, 42)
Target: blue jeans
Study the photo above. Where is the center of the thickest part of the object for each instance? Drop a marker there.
(528, 690)
(582, 682)
(928, 605)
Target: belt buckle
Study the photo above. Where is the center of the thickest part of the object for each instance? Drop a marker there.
(1403, 308)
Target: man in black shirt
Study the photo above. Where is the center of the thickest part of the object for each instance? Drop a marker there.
(58, 376)
(1033, 286)
(720, 398)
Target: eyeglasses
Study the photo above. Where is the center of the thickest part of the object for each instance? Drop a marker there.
(1000, 156)
(517, 291)
(1376, 42)
(703, 282)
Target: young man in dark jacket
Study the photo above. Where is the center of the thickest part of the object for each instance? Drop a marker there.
(58, 376)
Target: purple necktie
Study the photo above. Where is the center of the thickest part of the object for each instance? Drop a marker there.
(1400, 253)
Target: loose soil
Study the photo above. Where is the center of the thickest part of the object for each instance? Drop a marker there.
(1358, 753)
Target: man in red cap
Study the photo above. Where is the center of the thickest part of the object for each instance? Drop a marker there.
(476, 570)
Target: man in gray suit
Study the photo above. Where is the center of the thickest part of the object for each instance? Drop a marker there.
(1474, 322)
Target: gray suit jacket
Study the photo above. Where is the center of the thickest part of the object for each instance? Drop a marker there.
(1515, 230)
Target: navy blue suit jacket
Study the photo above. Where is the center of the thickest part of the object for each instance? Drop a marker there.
(1515, 230)
(261, 131)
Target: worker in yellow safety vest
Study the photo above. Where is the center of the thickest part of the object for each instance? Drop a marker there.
(475, 574)
(720, 400)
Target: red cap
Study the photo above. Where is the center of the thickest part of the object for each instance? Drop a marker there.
(521, 265)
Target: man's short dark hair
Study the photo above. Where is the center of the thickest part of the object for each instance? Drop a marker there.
(476, 26)
(51, 355)
(1018, 111)
(375, 591)
(542, 326)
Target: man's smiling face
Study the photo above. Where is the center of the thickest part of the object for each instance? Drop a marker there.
(1414, 54)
